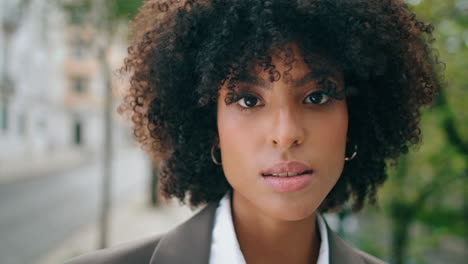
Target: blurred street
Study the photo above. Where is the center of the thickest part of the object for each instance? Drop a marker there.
(39, 213)
(130, 220)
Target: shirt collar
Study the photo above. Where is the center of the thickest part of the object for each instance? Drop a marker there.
(225, 247)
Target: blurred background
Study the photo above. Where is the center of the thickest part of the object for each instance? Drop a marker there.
(72, 179)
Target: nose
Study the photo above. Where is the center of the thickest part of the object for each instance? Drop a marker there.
(288, 130)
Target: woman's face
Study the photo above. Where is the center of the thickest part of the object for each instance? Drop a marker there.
(279, 128)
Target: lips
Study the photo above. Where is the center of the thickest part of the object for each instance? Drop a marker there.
(287, 169)
(290, 176)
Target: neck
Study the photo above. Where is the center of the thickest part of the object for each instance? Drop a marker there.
(264, 239)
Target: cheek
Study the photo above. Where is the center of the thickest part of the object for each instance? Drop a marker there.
(329, 141)
(237, 143)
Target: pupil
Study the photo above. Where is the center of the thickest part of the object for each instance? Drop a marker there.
(250, 101)
(316, 97)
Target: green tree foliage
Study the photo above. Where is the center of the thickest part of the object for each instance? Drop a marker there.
(428, 187)
(126, 9)
(116, 10)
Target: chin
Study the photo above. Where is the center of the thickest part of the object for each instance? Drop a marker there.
(292, 210)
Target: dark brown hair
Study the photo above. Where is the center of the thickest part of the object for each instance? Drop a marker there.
(182, 51)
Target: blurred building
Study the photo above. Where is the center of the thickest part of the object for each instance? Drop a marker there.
(51, 93)
(33, 116)
(85, 93)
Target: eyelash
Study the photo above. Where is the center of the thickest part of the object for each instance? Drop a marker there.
(243, 96)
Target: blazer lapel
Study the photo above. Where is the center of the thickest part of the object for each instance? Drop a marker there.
(189, 242)
(341, 251)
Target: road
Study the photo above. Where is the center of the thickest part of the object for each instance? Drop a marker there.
(36, 214)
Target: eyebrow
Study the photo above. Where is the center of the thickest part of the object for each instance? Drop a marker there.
(314, 75)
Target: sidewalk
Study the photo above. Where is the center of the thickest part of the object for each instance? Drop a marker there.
(34, 165)
(130, 221)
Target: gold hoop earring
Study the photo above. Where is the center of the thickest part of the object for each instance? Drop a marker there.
(352, 155)
(213, 156)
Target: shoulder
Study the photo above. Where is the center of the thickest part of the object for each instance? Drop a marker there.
(369, 259)
(358, 256)
(343, 252)
(138, 251)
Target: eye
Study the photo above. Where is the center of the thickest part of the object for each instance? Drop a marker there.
(248, 101)
(318, 97)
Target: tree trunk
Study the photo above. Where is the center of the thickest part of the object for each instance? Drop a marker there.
(154, 186)
(400, 235)
(104, 30)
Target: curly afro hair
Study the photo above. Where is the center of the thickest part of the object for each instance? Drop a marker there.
(182, 52)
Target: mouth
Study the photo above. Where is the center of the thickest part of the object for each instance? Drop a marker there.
(287, 174)
(287, 169)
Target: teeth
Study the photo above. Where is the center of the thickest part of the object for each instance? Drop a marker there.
(286, 174)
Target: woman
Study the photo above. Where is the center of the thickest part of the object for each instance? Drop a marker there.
(272, 112)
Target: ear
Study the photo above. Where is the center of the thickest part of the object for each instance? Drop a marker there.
(216, 141)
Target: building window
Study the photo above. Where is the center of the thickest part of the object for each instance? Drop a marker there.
(80, 85)
(21, 124)
(79, 48)
(4, 117)
(77, 133)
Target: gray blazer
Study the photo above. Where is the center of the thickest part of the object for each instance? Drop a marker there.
(190, 242)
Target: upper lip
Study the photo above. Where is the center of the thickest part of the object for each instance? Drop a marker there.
(282, 167)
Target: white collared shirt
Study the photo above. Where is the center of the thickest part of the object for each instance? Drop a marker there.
(225, 248)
